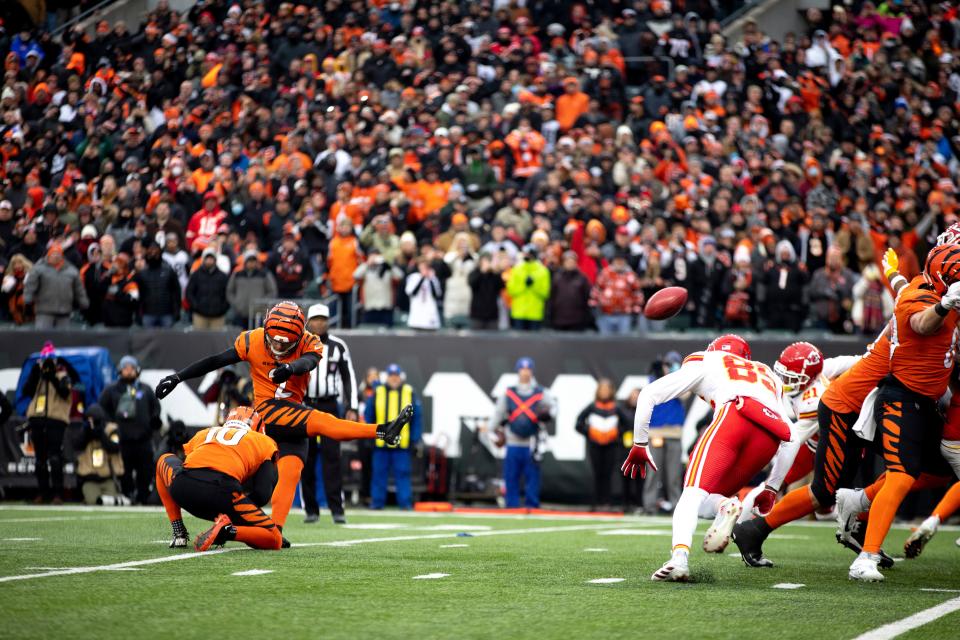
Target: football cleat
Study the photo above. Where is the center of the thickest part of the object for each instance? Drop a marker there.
(215, 535)
(339, 518)
(749, 538)
(864, 568)
(180, 542)
(718, 535)
(311, 518)
(284, 544)
(853, 539)
(390, 432)
(920, 537)
(676, 569)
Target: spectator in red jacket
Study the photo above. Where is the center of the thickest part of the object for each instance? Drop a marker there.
(617, 296)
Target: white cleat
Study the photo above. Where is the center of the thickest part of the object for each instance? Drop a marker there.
(849, 506)
(718, 535)
(864, 568)
(920, 537)
(676, 569)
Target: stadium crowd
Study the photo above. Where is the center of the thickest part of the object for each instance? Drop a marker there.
(479, 164)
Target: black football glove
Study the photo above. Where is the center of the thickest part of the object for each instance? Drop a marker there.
(282, 373)
(390, 432)
(167, 385)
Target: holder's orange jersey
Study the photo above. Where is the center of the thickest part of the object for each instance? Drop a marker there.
(251, 346)
(921, 363)
(235, 452)
(847, 393)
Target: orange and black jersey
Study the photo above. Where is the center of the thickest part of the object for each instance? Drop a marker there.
(847, 393)
(251, 346)
(239, 453)
(921, 363)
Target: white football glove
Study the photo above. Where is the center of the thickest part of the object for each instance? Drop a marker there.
(951, 299)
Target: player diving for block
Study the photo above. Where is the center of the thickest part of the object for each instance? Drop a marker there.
(747, 429)
(281, 354)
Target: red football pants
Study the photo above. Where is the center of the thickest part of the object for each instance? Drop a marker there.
(729, 453)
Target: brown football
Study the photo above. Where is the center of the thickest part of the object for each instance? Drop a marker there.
(665, 303)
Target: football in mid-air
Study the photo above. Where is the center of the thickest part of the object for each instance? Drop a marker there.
(665, 303)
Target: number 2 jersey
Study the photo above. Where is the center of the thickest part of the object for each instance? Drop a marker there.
(235, 452)
(716, 376)
(251, 346)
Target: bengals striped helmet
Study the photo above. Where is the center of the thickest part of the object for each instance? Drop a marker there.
(244, 418)
(283, 327)
(731, 343)
(943, 267)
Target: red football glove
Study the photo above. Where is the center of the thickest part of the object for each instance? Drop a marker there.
(637, 460)
(765, 501)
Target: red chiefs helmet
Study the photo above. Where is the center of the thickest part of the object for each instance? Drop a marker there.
(244, 418)
(798, 366)
(731, 343)
(950, 236)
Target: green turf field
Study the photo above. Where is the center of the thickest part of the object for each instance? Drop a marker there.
(513, 577)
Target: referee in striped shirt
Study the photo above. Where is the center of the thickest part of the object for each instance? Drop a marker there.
(332, 389)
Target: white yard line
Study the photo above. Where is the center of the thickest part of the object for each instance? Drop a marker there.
(66, 518)
(120, 566)
(437, 536)
(918, 619)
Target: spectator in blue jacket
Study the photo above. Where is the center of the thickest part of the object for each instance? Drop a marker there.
(385, 403)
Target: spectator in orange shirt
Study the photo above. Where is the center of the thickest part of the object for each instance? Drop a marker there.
(527, 145)
(203, 174)
(343, 257)
(433, 192)
(572, 104)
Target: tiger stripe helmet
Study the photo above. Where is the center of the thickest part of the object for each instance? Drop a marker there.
(244, 418)
(283, 327)
(943, 267)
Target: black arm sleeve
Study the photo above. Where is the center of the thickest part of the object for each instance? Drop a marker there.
(305, 363)
(262, 482)
(205, 366)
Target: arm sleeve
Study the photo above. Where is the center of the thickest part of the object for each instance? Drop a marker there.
(262, 482)
(304, 364)
(348, 379)
(581, 425)
(205, 366)
(787, 452)
(414, 282)
(833, 367)
(662, 389)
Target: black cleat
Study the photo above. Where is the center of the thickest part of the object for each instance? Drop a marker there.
(853, 540)
(339, 518)
(285, 544)
(390, 432)
(311, 518)
(749, 537)
(180, 542)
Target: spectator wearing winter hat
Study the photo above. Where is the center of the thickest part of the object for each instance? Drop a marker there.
(135, 409)
(159, 289)
(53, 286)
(207, 293)
(529, 289)
(783, 285)
(569, 306)
(291, 269)
(251, 283)
(120, 293)
(617, 296)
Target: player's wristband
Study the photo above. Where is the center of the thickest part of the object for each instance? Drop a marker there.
(941, 310)
(896, 280)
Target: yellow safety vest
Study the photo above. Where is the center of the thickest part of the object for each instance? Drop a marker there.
(388, 403)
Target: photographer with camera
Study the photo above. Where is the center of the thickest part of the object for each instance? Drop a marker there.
(136, 410)
(99, 465)
(49, 387)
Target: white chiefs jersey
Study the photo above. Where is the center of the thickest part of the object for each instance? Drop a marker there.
(716, 376)
(802, 408)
